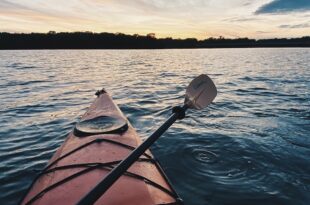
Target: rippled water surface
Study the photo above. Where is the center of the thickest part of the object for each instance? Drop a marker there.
(251, 146)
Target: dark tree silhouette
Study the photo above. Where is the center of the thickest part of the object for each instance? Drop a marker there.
(89, 40)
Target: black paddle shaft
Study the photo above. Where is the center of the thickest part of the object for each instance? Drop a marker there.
(92, 196)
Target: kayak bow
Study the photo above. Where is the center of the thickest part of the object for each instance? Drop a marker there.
(98, 143)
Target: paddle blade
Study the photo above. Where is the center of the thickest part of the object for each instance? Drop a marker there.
(200, 92)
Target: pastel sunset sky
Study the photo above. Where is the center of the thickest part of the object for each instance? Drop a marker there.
(167, 18)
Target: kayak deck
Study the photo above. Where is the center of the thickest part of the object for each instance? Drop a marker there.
(81, 162)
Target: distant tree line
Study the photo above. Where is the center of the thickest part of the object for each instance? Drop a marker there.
(89, 40)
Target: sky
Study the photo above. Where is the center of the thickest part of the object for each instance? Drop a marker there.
(166, 18)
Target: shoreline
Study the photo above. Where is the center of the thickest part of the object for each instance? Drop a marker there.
(194, 48)
(88, 40)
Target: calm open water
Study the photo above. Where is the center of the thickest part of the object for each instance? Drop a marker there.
(252, 146)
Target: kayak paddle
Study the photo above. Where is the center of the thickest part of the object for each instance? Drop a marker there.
(199, 94)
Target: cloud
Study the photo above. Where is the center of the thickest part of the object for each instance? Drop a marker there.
(303, 25)
(247, 3)
(241, 19)
(4, 4)
(176, 18)
(25, 17)
(284, 6)
(263, 32)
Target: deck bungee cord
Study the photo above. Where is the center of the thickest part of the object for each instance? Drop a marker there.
(90, 166)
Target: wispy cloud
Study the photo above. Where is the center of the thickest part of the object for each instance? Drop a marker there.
(263, 32)
(284, 6)
(4, 4)
(23, 17)
(241, 19)
(292, 26)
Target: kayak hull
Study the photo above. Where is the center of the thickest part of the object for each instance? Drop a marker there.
(81, 162)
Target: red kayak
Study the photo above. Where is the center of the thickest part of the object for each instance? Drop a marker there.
(98, 143)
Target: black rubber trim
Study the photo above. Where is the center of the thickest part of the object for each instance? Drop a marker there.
(180, 111)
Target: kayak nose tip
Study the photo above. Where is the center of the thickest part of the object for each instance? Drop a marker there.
(100, 92)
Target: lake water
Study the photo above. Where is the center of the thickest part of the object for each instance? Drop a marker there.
(251, 146)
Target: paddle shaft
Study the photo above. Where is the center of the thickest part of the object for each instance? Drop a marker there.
(92, 196)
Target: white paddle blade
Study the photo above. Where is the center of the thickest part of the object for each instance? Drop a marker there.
(200, 92)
